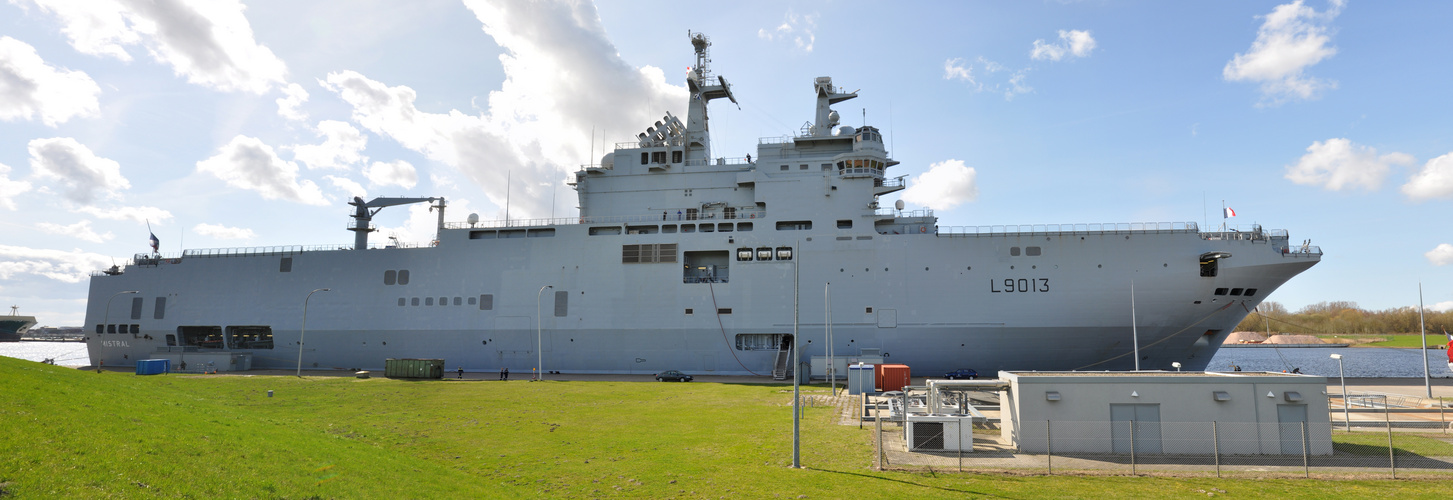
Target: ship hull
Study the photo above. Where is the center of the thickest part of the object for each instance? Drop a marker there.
(935, 302)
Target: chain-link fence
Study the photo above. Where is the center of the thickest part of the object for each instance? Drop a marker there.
(1181, 448)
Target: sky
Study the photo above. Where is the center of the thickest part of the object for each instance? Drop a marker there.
(222, 123)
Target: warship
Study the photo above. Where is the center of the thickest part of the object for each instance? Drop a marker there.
(683, 260)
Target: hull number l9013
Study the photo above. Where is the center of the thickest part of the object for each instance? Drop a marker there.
(1020, 285)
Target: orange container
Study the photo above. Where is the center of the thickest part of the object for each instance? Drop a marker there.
(891, 377)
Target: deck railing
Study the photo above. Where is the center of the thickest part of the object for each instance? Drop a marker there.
(1095, 228)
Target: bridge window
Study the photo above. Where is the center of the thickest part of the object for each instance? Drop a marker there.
(794, 225)
(845, 224)
(1031, 251)
(390, 277)
(1250, 292)
(645, 158)
(1014, 251)
(675, 157)
(486, 302)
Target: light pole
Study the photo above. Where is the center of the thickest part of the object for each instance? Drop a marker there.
(304, 330)
(827, 299)
(106, 318)
(539, 343)
(1346, 418)
(1176, 365)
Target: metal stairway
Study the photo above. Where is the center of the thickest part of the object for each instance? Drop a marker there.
(782, 367)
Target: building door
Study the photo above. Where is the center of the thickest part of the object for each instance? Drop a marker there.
(1292, 420)
(1143, 420)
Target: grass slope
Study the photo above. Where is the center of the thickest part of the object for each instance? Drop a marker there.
(73, 434)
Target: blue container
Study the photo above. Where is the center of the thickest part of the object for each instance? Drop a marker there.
(153, 366)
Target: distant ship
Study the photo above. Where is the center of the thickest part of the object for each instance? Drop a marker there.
(12, 327)
(684, 260)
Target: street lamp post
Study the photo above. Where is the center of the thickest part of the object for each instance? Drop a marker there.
(304, 330)
(106, 318)
(1176, 365)
(539, 342)
(1346, 418)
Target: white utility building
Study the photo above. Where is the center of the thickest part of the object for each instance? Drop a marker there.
(1192, 413)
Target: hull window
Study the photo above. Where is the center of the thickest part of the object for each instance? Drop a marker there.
(390, 277)
(286, 265)
(249, 337)
(486, 302)
(136, 307)
(758, 341)
(562, 303)
(207, 337)
(160, 312)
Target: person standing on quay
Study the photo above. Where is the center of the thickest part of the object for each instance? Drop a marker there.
(461, 373)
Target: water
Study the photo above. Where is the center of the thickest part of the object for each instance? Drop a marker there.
(64, 353)
(1358, 362)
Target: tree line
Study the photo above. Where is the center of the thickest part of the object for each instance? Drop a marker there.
(1343, 317)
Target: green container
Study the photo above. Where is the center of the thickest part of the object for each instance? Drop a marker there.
(413, 368)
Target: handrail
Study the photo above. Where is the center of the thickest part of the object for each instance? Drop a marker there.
(670, 217)
(1097, 228)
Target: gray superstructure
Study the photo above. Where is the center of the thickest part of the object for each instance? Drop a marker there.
(682, 260)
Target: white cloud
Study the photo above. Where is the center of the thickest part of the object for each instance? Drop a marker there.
(69, 267)
(209, 42)
(394, 173)
(945, 185)
(342, 147)
(1440, 255)
(9, 189)
(1294, 37)
(1075, 43)
(1339, 164)
(247, 163)
(802, 30)
(81, 230)
(534, 120)
(1433, 181)
(293, 97)
(150, 215)
(223, 232)
(984, 75)
(29, 87)
(1444, 306)
(956, 69)
(84, 175)
(349, 186)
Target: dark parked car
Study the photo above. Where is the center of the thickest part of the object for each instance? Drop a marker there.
(672, 375)
(967, 373)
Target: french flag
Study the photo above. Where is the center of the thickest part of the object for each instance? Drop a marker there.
(1228, 213)
(155, 243)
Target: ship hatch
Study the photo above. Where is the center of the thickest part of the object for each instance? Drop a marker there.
(1210, 263)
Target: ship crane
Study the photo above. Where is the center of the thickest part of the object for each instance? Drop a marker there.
(363, 215)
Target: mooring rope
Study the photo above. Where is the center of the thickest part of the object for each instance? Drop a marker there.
(1167, 337)
(730, 347)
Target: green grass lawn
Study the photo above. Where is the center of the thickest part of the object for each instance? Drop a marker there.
(66, 433)
(1388, 340)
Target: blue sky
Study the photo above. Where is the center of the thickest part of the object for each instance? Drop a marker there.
(241, 124)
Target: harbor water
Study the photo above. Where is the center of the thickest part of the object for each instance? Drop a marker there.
(1358, 362)
(64, 353)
